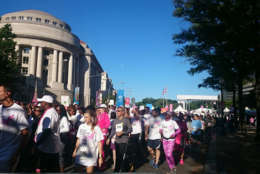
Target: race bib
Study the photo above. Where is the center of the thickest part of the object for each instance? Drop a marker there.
(119, 127)
(83, 132)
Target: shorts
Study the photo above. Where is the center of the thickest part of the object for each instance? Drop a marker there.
(154, 144)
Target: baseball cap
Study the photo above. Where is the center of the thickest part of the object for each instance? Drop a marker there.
(46, 98)
(102, 106)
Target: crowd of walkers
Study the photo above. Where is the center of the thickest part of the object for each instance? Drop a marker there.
(47, 137)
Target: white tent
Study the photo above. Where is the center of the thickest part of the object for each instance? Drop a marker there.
(179, 109)
(202, 110)
(226, 110)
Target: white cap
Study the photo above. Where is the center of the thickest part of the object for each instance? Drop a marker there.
(102, 106)
(46, 98)
(141, 107)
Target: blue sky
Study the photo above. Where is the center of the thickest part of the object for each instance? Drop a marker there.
(132, 40)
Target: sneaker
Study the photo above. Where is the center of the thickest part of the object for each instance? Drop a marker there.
(155, 166)
(174, 171)
(181, 162)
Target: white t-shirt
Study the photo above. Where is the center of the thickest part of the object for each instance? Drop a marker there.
(64, 125)
(168, 127)
(51, 143)
(136, 126)
(87, 153)
(12, 122)
(154, 124)
(147, 116)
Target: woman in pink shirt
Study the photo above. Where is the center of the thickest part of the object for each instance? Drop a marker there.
(104, 124)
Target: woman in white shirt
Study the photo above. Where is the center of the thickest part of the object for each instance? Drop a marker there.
(88, 147)
(169, 129)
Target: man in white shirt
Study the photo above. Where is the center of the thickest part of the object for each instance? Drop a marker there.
(13, 129)
(153, 136)
(47, 136)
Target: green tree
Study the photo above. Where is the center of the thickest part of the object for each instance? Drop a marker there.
(223, 40)
(9, 68)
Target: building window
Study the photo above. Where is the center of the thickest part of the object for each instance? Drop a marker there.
(20, 17)
(54, 23)
(25, 60)
(61, 26)
(13, 17)
(24, 70)
(26, 50)
(45, 62)
(29, 18)
(7, 18)
(38, 19)
(47, 21)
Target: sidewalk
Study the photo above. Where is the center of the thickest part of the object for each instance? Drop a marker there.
(233, 154)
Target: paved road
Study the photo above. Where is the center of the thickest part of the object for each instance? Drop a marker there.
(193, 164)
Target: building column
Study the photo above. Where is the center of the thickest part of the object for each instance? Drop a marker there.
(32, 61)
(54, 66)
(87, 90)
(39, 63)
(17, 49)
(70, 72)
(60, 67)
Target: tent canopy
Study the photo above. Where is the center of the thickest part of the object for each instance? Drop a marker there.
(180, 109)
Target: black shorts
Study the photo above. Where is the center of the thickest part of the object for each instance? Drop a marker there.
(154, 144)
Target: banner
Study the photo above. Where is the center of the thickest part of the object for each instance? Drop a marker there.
(76, 95)
(167, 108)
(149, 106)
(120, 98)
(133, 101)
(127, 102)
(171, 107)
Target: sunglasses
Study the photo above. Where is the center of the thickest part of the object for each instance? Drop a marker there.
(119, 111)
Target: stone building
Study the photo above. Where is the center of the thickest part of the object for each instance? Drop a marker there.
(52, 57)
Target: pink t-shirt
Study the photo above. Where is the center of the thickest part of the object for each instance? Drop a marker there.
(103, 122)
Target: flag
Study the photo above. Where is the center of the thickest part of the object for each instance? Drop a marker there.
(165, 90)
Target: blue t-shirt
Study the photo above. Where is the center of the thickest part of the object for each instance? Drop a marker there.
(195, 124)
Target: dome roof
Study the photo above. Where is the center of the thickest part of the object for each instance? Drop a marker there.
(35, 14)
(32, 13)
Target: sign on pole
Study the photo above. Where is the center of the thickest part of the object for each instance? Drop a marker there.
(65, 100)
(120, 98)
(127, 102)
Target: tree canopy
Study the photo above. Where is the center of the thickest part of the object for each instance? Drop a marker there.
(223, 40)
(9, 69)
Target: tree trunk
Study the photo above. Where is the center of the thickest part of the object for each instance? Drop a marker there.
(222, 101)
(234, 101)
(257, 95)
(241, 103)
